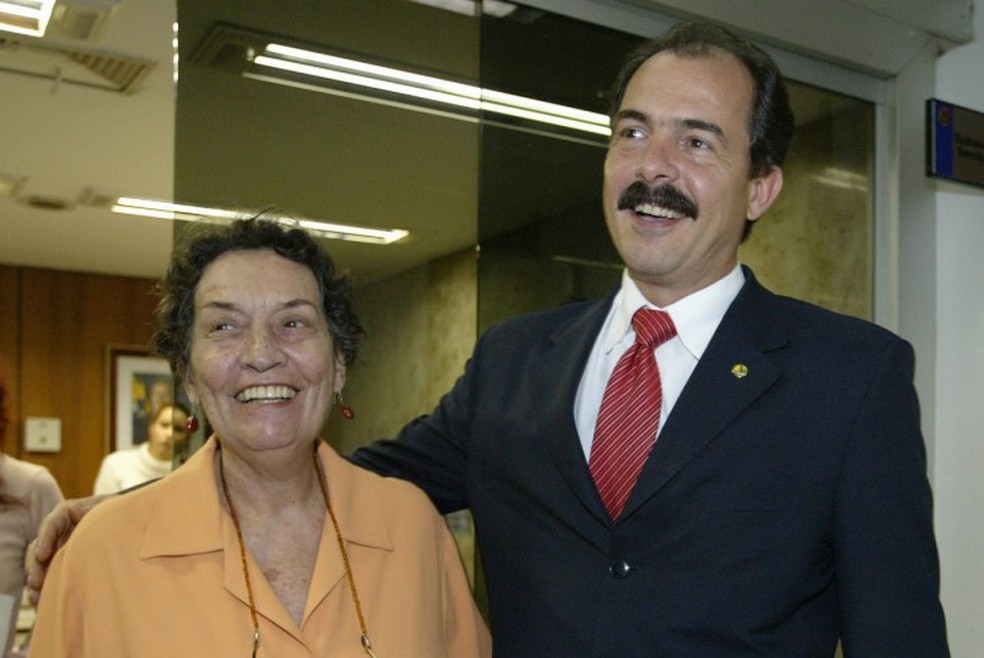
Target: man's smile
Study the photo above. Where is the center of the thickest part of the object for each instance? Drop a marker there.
(661, 202)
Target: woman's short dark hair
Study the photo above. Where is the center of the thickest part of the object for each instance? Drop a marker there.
(770, 127)
(203, 242)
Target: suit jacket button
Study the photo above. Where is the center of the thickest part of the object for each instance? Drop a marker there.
(620, 569)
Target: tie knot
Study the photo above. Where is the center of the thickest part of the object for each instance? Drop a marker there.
(652, 327)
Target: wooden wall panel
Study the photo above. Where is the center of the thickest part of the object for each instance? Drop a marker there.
(66, 323)
(9, 352)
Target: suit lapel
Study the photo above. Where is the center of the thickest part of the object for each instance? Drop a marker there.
(557, 375)
(734, 371)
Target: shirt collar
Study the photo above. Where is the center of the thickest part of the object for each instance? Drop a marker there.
(188, 517)
(696, 316)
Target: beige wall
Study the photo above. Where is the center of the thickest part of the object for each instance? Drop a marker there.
(421, 327)
(816, 243)
(421, 330)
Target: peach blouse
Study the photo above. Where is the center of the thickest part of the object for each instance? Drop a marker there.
(157, 573)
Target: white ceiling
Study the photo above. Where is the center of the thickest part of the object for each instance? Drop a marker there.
(62, 139)
(878, 37)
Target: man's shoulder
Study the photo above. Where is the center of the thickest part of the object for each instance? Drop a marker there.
(806, 330)
(814, 319)
(807, 320)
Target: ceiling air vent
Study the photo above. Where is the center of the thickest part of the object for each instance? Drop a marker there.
(67, 64)
(121, 71)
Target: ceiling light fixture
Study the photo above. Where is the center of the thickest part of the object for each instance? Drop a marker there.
(185, 212)
(496, 8)
(313, 70)
(466, 7)
(25, 16)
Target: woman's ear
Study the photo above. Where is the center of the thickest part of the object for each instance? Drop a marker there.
(189, 389)
(341, 371)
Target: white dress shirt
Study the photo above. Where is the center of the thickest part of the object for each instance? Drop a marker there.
(696, 318)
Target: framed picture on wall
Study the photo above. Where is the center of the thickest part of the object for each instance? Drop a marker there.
(138, 385)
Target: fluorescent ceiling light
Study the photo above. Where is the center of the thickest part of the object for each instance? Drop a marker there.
(25, 16)
(184, 212)
(277, 59)
(496, 8)
(466, 7)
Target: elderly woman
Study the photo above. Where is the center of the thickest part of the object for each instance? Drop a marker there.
(265, 542)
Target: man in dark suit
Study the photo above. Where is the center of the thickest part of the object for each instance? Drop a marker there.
(783, 505)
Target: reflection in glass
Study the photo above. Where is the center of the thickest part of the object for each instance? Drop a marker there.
(528, 196)
(541, 227)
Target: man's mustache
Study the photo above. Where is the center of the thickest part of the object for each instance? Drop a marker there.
(664, 195)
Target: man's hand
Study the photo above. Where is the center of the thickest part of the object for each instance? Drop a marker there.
(53, 532)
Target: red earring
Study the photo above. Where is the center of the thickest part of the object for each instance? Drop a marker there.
(191, 425)
(346, 410)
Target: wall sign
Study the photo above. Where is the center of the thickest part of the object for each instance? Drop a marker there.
(955, 140)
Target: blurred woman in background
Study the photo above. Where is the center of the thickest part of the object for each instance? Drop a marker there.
(167, 433)
(27, 493)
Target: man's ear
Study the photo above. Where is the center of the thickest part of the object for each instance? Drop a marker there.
(762, 192)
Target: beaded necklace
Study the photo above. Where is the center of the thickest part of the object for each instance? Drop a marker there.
(366, 643)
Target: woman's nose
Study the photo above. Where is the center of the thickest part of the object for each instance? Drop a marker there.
(261, 350)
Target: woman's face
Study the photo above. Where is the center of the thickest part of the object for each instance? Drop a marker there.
(167, 429)
(262, 363)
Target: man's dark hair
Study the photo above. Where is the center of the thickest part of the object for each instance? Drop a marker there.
(770, 127)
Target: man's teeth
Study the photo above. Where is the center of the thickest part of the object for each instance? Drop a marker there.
(267, 393)
(657, 211)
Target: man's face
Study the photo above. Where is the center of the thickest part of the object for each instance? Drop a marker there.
(677, 191)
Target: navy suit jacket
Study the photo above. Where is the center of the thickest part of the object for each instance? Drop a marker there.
(777, 513)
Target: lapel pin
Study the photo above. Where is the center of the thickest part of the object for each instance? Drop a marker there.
(739, 370)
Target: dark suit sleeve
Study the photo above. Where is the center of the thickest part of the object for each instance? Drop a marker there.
(431, 451)
(886, 560)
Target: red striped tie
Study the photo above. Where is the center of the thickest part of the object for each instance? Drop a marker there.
(630, 409)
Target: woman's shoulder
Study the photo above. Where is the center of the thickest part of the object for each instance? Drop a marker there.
(395, 501)
(389, 488)
(126, 455)
(21, 477)
(12, 467)
(132, 510)
(124, 509)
